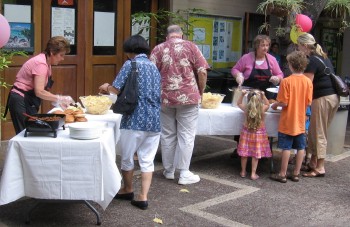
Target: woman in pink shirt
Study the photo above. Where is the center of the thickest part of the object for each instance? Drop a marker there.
(33, 82)
(258, 69)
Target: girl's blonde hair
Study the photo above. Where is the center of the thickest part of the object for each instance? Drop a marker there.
(254, 110)
(309, 41)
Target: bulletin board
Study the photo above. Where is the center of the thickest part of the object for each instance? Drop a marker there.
(218, 37)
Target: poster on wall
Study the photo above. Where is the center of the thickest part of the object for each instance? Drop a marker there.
(218, 37)
(21, 37)
(205, 49)
(63, 23)
(198, 35)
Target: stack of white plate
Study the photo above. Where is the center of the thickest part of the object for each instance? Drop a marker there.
(86, 130)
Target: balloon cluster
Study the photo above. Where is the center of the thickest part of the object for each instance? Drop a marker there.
(5, 31)
(303, 24)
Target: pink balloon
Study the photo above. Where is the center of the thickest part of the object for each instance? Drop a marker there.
(304, 22)
(4, 31)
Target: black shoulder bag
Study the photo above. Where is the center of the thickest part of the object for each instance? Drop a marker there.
(127, 98)
(340, 86)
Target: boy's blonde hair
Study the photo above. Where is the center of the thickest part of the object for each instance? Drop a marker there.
(254, 110)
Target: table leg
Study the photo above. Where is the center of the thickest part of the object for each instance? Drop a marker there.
(271, 159)
(95, 211)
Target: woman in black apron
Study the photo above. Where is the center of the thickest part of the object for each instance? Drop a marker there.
(33, 82)
(260, 79)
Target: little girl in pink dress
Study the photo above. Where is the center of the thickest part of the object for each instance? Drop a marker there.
(253, 141)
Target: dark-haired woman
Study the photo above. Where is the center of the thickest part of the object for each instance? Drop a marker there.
(140, 131)
(33, 83)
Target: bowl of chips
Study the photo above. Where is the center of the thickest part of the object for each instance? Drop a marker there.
(212, 100)
(97, 105)
(112, 97)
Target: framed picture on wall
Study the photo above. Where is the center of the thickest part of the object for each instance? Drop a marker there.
(21, 37)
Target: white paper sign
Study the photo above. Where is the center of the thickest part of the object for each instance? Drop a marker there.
(63, 23)
(104, 29)
(17, 13)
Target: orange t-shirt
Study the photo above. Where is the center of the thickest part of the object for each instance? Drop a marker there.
(296, 92)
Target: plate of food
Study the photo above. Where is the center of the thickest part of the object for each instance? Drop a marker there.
(272, 89)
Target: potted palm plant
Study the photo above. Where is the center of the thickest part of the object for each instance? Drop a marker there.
(280, 8)
(339, 9)
(285, 10)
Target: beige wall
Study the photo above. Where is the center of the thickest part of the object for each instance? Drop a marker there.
(231, 8)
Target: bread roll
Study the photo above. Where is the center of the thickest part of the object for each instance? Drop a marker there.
(68, 111)
(78, 111)
(80, 119)
(69, 118)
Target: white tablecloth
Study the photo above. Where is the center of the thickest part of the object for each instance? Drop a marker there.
(228, 120)
(61, 168)
(111, 118)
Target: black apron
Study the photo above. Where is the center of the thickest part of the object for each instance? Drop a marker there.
(31, 101)
(259, 79)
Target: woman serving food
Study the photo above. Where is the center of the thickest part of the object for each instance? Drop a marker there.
(258, 69)
(33, 83)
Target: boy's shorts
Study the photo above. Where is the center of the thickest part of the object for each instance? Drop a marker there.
(287, 142)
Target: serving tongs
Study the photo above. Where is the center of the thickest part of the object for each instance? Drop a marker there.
(38, 121)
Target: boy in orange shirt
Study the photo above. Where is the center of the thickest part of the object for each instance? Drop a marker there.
(295, 94)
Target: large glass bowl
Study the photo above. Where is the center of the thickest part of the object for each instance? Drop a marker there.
(97, 105)
(112, 97)
(212, 100)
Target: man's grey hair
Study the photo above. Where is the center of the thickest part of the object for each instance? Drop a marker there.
(174, 29)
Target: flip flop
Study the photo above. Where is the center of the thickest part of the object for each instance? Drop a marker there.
(314, 173)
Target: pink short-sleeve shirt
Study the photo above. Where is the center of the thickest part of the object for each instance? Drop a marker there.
(178, 61)
(36, 66)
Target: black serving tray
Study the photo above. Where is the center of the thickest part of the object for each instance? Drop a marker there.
(44, 126)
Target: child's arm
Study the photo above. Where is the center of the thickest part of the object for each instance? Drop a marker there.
(277, 104)
(240, 99)
(265, 101)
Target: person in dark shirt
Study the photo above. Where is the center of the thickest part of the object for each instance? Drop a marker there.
(324, 104)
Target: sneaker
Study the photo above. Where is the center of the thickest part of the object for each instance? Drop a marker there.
(189, 178)
(169, 175)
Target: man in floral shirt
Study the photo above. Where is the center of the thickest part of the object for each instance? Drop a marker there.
(184, 74)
